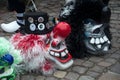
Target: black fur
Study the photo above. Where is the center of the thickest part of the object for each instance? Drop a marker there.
(106, 2)
(84, 9)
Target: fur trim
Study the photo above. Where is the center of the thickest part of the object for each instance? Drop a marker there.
(32, 49)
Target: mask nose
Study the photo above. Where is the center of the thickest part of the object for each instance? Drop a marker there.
(54, 44)
(64, 16)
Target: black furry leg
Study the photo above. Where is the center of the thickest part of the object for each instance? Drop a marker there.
(106, 14)
(106, 2)
(75, 44)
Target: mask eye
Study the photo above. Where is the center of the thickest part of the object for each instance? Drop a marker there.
(41, 26)
(40, 19)
(97, 31)
(32, 27)
(31, 20)
(70, 3)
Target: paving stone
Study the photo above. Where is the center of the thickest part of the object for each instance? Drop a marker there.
(72, 76)
(52, 14)
(112, 50)
(115, 35)
(86, 78)
(98, 69)
(116, 68)
(104, 64)
(40, 78)
(80, 70)
(10, 19)
(78, 61)
(114, 21)
(88, 64)
(113, 40)
(27, 77)
(116, 45)
(111, 60)
(114, 16)
(116, 27)
(118, 40)
(113, 30)
(116, 11)
(93, 74)
(51, 78)
(112, 26)
(110, 76)
(1, 21)
(96, 59)
(116, 56)
(64, 79)
(2, 34)
(60, 74)
(69, 69)
(106, 56)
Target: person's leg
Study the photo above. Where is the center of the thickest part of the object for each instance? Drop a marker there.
(19, 7)
(11, 5)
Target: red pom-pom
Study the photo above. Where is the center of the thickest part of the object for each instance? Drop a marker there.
(62, 29)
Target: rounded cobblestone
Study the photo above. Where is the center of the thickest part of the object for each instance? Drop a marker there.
(96, 59)
(78, 61)
(98, 69)
(80, 70)
(40, 78)
(111, 60)
(60, 74)
(86, 78)
(105, 64)
(51, 78)
(88, 64)
(27, 77)
(110, 76)
(72, 76)
(93, 74)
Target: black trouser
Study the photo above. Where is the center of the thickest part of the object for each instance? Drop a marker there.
(17, 5)
(106, 1)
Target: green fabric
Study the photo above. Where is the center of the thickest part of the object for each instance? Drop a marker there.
(16, 55)
(4, 46)
(10, 77)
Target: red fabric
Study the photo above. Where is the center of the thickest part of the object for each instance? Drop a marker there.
(47, 66)
(27, 42)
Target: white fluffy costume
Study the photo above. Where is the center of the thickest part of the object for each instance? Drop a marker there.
(33, 51)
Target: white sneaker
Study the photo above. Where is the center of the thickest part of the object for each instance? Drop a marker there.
(10, 27)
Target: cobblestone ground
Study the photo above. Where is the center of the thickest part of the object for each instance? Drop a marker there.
(105, 67)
